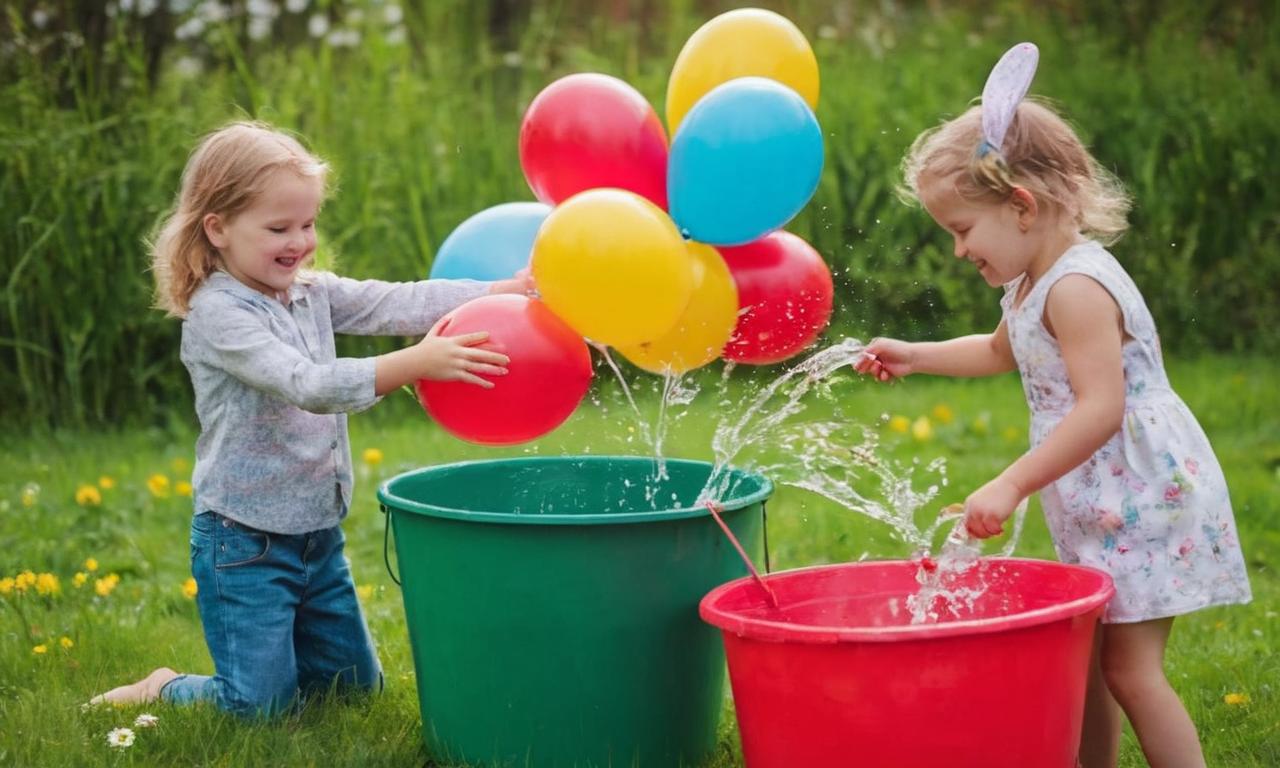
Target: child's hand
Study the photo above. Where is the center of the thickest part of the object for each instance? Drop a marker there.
(886, 359)
(987, 508)
(522, 284)
(458, 358)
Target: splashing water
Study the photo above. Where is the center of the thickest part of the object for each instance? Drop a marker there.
(836, 458)
(676, 390)
(764, 414)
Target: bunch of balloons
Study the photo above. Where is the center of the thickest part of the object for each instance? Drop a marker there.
(671, 253)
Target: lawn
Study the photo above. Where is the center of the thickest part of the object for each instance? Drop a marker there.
(120, 499)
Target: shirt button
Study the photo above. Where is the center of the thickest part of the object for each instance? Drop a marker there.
(334, 445)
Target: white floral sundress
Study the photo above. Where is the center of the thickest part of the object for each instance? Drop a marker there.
(1150, 507)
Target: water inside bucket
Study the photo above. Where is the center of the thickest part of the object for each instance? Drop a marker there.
(870, 600)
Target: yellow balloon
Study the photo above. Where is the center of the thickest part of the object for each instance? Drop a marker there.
(612, 265)
(702, 331)
(742, 43)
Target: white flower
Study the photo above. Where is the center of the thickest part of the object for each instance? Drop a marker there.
(145, 720)
(147, 7)
(190, 28)
(40, 18)
(296, 6)
(262, 8)
(396, 36)
(259, 27)
(126, 5)
(188, 66)
(120, 738)
(213, 11)
(344, 38)
(393, 14)
(318, 25)
(512, 58)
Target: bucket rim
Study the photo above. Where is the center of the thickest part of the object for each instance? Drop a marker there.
(392, 502)
(779, 631)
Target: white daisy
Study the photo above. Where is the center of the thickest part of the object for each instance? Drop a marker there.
(120, 738)
(146, 721)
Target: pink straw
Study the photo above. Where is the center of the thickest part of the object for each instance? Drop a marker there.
(714, 508)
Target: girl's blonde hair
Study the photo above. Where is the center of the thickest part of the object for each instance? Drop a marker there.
(225, 174)
(1041, 154)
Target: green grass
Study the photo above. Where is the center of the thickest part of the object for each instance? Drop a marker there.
(146, 621)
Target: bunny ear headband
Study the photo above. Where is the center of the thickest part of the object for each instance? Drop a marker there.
(1006, 85)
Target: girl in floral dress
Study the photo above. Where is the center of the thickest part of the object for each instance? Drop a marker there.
(1127, 479)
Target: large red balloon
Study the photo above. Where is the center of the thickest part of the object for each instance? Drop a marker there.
(784, 292)
(589, 130)
(548, 376)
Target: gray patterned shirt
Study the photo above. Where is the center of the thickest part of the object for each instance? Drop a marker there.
(272, 395)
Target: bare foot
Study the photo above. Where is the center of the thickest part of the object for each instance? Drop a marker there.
(145, 690)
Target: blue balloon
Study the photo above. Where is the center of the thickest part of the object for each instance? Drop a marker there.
(492, 245)
(744, 162)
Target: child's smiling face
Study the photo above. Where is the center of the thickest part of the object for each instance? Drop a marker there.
(264, 245)
(991, 236)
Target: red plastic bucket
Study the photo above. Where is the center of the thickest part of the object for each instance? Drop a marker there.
(838, 676)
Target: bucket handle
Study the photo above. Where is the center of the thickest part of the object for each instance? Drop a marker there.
(386, 532)
(714, 508)
(764, 526)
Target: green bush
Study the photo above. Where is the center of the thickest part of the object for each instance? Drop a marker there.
(98, 112)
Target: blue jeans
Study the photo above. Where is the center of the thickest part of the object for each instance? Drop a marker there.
(280, 616)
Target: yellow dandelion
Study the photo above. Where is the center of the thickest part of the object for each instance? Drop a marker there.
(365, 591)
(372, 456)
(6, 585)
(88, 496)
(1219, 625)
(106, 482)
(189, 588)
(183, 488)
(90, 564)
(47, 584)
(159, 486)
(66, 643)
(180, 466)
(1011, 433)
(24, 581)
(105, 585)
(900, 424)
(30, 495)
(1236, 699)
(40, 649)
(981, 426)
(79, 579)
(922, 429)
(943, 413)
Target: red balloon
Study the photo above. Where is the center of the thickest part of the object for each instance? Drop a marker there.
(589, 130)
(548, 376)
(784, 295)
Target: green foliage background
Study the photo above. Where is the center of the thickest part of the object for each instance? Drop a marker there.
(98, 113)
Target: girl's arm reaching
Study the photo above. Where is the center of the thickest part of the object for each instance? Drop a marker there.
(984, 354)
(1090, 330)
(440, 358)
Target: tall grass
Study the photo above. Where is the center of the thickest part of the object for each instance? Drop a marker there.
(98, 113)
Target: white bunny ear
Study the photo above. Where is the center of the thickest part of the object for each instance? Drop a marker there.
(1006, 85)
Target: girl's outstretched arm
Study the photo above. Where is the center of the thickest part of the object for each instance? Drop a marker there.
(983, 354)
(1090, 330)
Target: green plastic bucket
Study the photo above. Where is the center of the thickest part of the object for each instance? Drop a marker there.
(553, 611)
